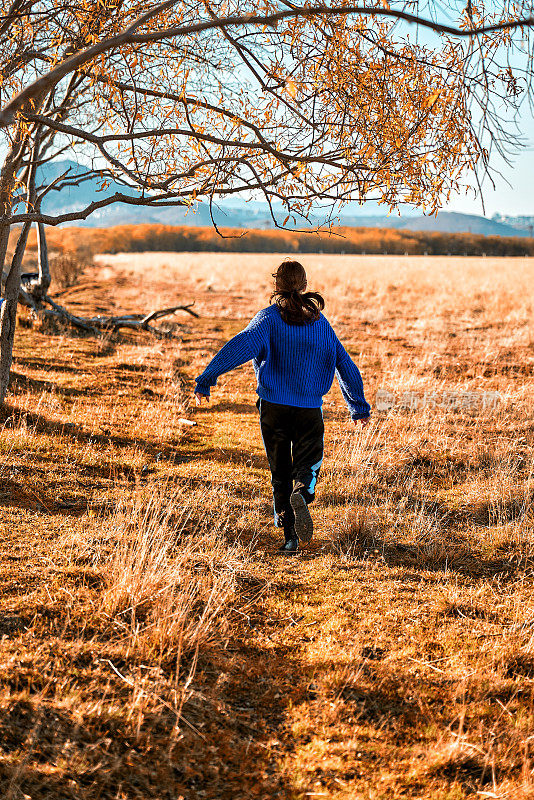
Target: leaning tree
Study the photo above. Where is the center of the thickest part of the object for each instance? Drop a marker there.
(189, 101)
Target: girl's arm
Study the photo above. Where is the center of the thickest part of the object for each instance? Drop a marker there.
(350, 382)
(242, 348)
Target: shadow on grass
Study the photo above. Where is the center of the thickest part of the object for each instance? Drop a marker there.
(13, 417)
(454, 555)
(483, 512)
(235, 408)
(234, 455)
(19, 382)
(17, 495)
(45, 366)
(399, 705)
(223, 748)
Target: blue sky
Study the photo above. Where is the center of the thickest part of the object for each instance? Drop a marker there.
(514, 191)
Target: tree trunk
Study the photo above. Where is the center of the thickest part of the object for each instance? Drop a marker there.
(7, 182)
(5, 228)
(44, 267)
(8, 312)
(35, 287)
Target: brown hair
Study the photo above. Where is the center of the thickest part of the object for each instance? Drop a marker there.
(297, 306)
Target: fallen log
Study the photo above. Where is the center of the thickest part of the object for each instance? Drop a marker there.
(33, 293)
(115, 323)
(101, 324)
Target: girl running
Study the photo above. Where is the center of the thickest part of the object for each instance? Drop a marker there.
(295, 354)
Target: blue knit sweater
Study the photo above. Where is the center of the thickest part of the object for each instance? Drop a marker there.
(294, 364)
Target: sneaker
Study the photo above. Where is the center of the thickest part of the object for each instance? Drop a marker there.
(303, 520)
(291, 544)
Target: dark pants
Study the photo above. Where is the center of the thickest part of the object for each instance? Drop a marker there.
(293, 439)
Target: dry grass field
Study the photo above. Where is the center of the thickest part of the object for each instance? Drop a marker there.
(154, 645)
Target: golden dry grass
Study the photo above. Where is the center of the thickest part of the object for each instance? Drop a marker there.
(154, 646)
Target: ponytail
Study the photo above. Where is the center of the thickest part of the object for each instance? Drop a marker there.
(297, 307)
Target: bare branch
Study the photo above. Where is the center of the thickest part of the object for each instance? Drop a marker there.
(73, 216)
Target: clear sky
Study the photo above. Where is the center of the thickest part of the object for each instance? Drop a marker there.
(514, 191)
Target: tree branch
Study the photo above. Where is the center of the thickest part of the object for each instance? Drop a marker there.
(73, 216)
(128, 36)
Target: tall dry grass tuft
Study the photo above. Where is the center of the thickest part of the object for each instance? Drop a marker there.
(169, 572)
(465, 764)
(172, 574)
(407, 484)
(153, 585)
(67, 267)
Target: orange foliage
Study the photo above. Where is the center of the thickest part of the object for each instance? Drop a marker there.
(139, 238)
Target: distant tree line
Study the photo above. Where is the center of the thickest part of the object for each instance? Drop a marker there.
(372, 241)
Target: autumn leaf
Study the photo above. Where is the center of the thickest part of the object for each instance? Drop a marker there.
(291, 87)
(429, 102)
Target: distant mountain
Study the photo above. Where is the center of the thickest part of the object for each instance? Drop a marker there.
(442, 222)
(523, 223)
(76, 198)
(234, 212)
(452, 222)
(239, 213)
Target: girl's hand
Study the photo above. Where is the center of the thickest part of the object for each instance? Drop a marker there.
(199, 398)
(365, 421)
